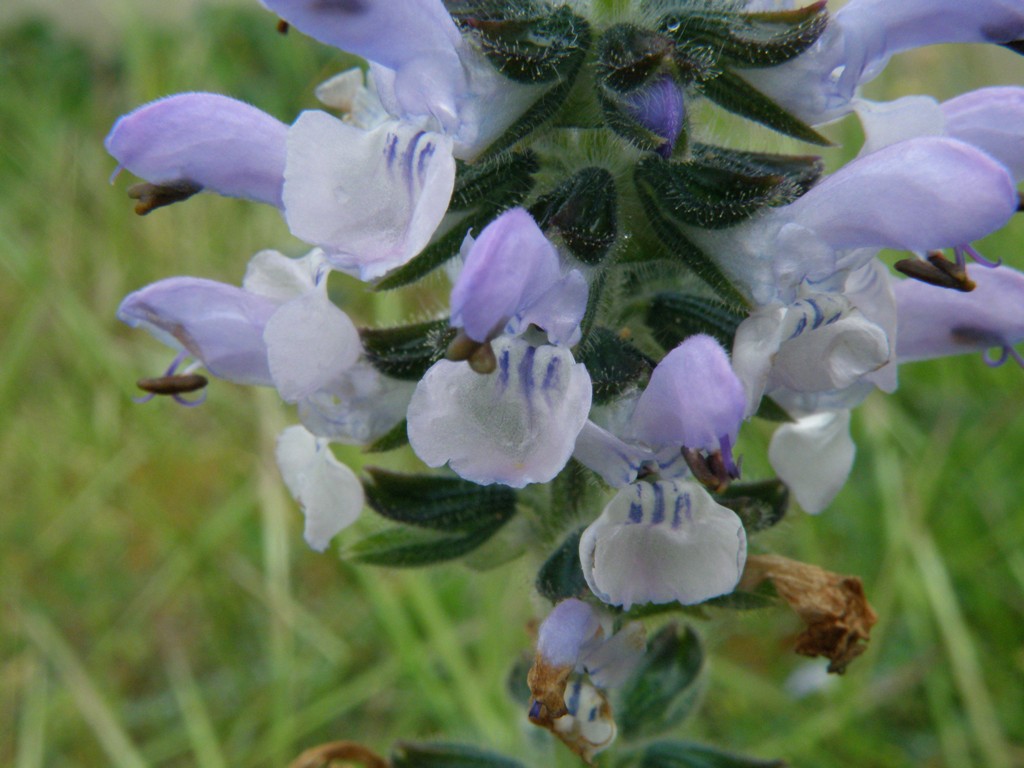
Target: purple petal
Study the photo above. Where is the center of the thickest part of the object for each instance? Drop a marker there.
(694, 398)
(933, 322)
(562, 635)
(219, 324)
(384, 31)
(371, 199)
(660, 108)
(416, 39)
(512, 276)
(918, 195)
(991, 119)
(223, 145)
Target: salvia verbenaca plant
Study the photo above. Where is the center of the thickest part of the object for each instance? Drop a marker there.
(624, 296)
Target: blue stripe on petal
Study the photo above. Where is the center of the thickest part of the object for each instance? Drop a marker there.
(659, 505)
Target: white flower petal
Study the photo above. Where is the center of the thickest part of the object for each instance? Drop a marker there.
(357, 407)
(330, 495)
(515, 426)
(814, 456)
(371, 199)
(617, 462)
(278, 277)
(663, 542)
(890, 122)
(833, 356)
(310, 342)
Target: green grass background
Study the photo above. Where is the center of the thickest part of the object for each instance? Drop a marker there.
(159, 606)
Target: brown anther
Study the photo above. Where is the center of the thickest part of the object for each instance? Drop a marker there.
(461, 347)
(938, 271)
(483, 361)
(837, 614)
(709, 470)
(479, 355)
(178, 384)
(334, 752)
(283, 27)
(153, 196)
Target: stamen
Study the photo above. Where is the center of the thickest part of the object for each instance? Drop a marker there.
(962, 251)
(483, 361)
(173, 384)
(1006, 352)
(938, 271)
(153, 196)
(479, 355)
(711, 470)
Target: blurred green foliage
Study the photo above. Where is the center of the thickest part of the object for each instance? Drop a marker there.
(160, 607)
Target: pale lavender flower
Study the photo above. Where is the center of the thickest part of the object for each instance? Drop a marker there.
(206, 140)
(220, 325)
(694, 400)
(933, 322)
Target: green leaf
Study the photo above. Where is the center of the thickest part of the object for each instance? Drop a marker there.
(614, 364)
(681, 754)
(710, 196)
(669, 231)
(759, 505)
(530, 49)
(438, 502)
(801, 172)
(673, 317)
(419, 755)
(584, 210)
(732, 92)
(628, 56)
(749, 39)
(663, 690)
(744, 601)
(561, 576)
(548, 105)
(396, 437)
(491, 183)
(405, 547)
(407, 351)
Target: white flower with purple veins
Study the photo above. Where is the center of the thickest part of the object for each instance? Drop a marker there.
(820, 85)
(663, 542)
(516, 425)
(513, 278)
